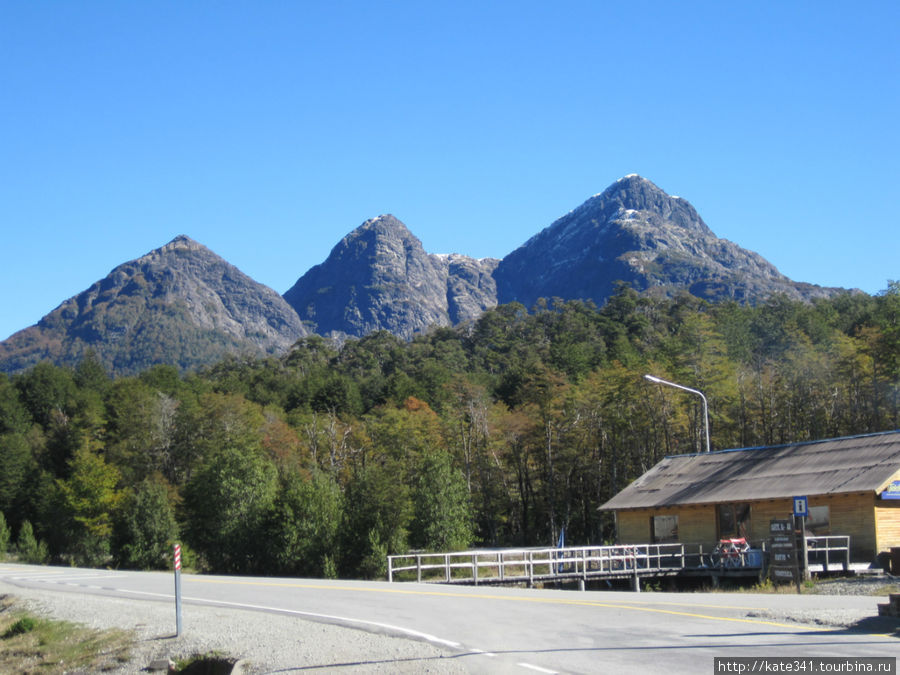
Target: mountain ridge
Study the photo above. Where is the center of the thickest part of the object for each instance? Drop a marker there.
(183, 304)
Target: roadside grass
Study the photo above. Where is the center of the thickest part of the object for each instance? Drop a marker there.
(764, 586)
(812, 586)
(769, 586)
(31, 644)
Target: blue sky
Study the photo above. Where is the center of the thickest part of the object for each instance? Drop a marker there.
(269, 130)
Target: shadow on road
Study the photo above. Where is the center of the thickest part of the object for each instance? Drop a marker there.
(884, 625)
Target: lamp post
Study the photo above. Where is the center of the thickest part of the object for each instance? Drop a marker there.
(659, 380)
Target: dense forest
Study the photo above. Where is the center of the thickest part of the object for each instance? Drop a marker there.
(500, 432)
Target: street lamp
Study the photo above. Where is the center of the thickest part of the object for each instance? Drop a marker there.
(659, 380)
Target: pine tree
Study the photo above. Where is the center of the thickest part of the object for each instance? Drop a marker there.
(30, 550)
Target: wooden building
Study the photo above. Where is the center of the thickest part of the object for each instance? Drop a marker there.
(852, 486)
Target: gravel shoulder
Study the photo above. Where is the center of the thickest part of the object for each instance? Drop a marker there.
(268, 643)
(847, 618)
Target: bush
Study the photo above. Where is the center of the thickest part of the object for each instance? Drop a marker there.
(31, 550)
(4, 537)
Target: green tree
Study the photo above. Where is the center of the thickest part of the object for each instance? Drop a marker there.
(376, 519)
(442, 519)
(140, 429)
(304, 527)
(14, 418)
(31, 550)
(886, 351)
(227, 503)
(90, 373)
(51, 397)
(468, 423)
(4, 536)
(145, 528)
(214, 422)
(47, 389)
(405, 433)
(16, 462)
(90, 498)
(336, 393)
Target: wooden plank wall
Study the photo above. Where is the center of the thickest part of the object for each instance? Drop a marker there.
(854, 514)
(887, 524)
(698, 523)
(850, 514)
(633, 526)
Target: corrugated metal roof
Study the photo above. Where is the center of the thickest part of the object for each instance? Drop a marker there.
(834, 466)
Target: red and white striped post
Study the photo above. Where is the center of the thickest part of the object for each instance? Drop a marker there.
(177, 590)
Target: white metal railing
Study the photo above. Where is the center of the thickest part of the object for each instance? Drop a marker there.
(521, 565)
(583, 562)
(827, 549)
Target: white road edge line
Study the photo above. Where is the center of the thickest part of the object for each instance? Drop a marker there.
(224, 603)
(55, 576)
(537, 668)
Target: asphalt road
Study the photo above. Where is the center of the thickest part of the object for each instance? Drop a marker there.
(492, 629)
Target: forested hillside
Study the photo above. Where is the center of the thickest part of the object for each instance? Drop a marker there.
(498, 432)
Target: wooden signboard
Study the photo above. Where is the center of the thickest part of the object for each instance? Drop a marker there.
(783, 567)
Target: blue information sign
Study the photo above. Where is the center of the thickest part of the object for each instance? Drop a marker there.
(801, 507)
(892, 491)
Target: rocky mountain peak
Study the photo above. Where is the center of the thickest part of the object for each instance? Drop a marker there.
(383, 241)
(633, 231)
(385, 224)
(181, 243)
(179, 304)
(632, 198)
(379, 277)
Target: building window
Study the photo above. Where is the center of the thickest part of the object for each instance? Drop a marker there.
(733, 521)
(818, 523)
(664, 529)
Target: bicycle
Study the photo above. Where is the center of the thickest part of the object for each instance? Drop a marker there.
(729, 553)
